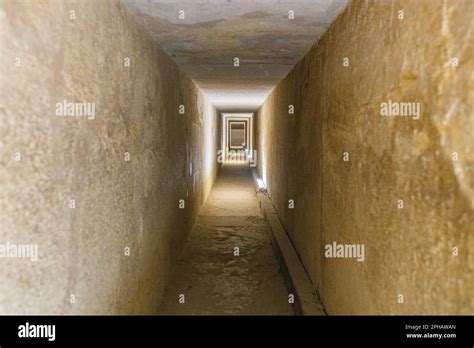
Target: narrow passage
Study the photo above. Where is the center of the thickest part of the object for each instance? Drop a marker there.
(211, 277)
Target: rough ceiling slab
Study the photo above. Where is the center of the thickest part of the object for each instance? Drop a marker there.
(205, 36)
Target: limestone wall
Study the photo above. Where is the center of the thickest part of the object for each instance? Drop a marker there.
(405, 190)
(84, 189)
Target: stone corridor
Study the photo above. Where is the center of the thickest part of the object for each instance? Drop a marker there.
(354, 119)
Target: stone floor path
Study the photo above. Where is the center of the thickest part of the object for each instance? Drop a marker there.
(211, 277)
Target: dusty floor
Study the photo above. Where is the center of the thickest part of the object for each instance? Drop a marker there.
(212, 279)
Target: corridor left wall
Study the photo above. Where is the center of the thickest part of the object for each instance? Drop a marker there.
(96, 195)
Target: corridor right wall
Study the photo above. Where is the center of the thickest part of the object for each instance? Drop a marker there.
(378, 156)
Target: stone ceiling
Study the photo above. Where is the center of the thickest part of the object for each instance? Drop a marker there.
(213, 32)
